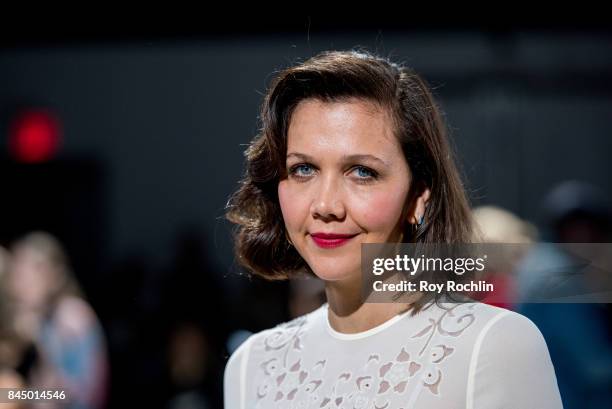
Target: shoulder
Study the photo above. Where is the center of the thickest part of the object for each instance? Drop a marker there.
(509, 328)
(74, 315)
(510, 363)
(486, 322)
(235, 374)
(275, 337)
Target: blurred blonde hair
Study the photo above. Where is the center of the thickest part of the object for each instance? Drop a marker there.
(4, 259)
(493, 224)
(4, 265)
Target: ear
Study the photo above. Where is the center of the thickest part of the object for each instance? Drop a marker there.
(419, 207)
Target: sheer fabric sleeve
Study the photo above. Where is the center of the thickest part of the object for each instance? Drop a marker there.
(234, 377)
(511, 367)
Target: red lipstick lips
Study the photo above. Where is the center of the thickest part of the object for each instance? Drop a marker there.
(330, 240)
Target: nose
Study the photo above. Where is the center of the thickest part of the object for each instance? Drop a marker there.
(328, 203)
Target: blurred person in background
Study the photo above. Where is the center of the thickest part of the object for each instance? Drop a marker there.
(10, 352)
(578, 333)
(493, 224)
(189, 355)
(47, 307)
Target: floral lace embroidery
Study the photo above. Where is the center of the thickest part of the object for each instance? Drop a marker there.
(288, 383)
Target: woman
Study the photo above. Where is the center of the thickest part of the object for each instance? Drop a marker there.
(353, 150)
(48, 309)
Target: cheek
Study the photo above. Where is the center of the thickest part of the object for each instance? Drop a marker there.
(380, 210)
(294, 206)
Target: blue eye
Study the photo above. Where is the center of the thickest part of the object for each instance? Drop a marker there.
(301, 170)
(365, 173)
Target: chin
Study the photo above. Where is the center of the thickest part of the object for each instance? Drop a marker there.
(336, 271)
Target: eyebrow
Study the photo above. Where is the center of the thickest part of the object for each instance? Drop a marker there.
(346, 158)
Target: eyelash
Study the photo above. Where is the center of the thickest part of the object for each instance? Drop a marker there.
(373, 174)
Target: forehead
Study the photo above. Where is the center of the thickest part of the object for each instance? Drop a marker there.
(344, 126)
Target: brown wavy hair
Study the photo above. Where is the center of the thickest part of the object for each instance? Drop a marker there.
(260, 238)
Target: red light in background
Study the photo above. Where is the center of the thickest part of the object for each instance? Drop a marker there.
(34, 136)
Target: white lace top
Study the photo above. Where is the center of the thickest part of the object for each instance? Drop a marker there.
(447, 356)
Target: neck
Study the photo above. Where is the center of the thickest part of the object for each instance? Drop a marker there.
(347, 313)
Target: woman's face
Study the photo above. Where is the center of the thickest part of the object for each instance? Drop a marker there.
(347, 175)
(32, 278)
